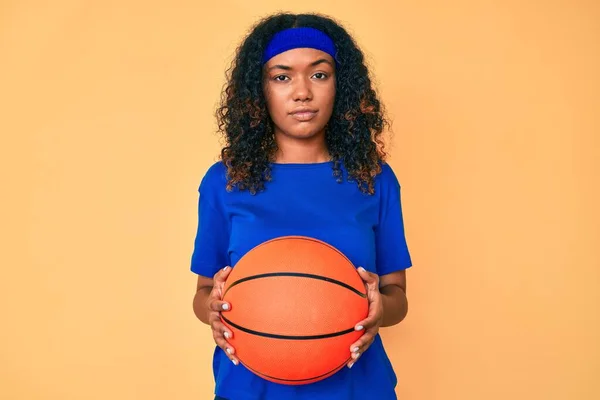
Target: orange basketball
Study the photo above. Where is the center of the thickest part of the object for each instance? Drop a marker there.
(294, 304)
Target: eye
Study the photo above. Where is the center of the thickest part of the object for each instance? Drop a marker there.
(278, 78)
(320, 75)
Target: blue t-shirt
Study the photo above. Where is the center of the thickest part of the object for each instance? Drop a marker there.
(305, 200)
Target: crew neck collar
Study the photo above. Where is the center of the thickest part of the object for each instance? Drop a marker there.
(302, 165)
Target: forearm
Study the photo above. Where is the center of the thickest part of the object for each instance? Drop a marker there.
(395, 304)
(200, 300)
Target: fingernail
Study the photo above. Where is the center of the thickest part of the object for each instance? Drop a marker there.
(229, 351)
(361, 269)
(355, 355)
(235, 362)
(351, 364)
(360, 328)
(354, 350)
(225, 306)
(226, 268)
(226, 334)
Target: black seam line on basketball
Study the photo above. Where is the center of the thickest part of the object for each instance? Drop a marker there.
(299, 380)
(290, 337)
(298, 275)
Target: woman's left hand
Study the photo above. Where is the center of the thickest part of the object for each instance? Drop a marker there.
(374, 319)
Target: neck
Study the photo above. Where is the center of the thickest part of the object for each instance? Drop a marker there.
(305, 151)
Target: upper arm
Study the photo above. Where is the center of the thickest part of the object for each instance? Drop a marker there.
(397, 278)
(203, 282)
(392, 254)
(210, 252)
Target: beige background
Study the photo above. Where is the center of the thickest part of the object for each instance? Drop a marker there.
(107, 128)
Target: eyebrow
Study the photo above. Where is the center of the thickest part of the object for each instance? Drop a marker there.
(312, 64)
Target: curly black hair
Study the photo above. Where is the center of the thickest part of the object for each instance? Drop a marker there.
(353, 133)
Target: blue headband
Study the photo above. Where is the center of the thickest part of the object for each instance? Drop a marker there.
(294, 38)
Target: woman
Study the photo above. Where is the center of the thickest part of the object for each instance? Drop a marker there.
(303, 156)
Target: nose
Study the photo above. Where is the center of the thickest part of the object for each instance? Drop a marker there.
(302, 90)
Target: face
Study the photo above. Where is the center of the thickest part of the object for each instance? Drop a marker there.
(299, 87)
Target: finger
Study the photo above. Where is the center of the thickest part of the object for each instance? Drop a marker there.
(218, 326)
(222, 343)
(363, 343)
(374, 314)
(352, 362)
(372, 317)
(227, 348)
(367, 276)
(219, 305)
(222, 275)
(366, 323)
(227, 334)
(213, 317)
(359, 348)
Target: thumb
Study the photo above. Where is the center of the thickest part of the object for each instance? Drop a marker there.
(367, 276)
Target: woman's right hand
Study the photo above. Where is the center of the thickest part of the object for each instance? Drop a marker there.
(215, 306)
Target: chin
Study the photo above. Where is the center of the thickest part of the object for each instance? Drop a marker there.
(304, 133)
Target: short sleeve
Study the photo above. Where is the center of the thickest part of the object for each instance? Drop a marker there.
(212, 235)
(391, 246)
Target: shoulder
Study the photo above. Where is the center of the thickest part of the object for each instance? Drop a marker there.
(214, 179)
(387, 177)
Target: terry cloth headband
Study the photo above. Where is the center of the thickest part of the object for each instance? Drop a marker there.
(294, 38)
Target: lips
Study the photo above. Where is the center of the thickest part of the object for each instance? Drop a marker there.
(304, 114)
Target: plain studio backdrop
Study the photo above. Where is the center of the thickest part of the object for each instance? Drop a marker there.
(106, 116)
